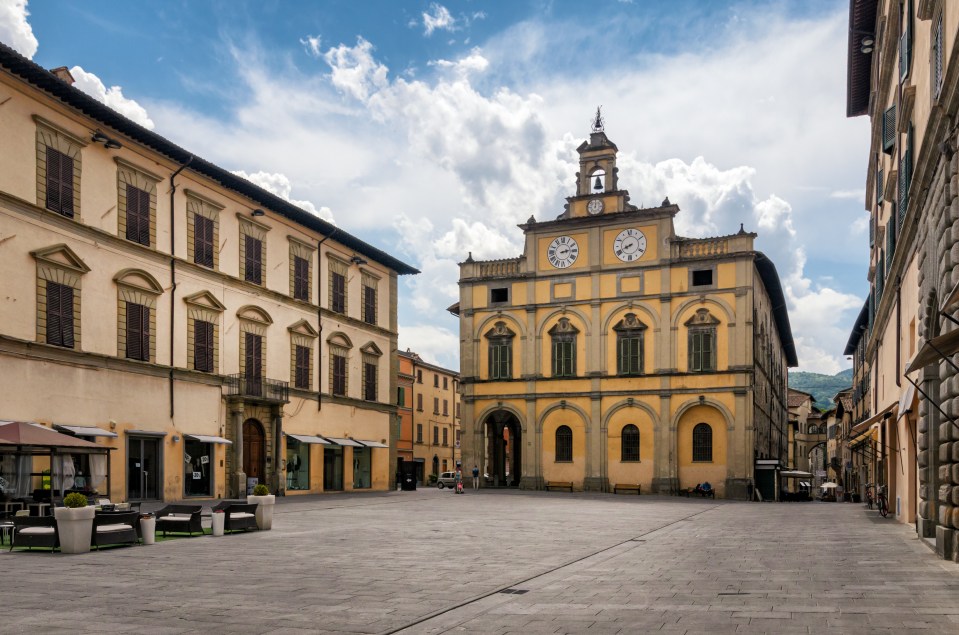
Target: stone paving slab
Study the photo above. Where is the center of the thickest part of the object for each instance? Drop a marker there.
(429, 562)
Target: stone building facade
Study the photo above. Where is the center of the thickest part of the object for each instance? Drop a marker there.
(614, 352)
(435, 430)
(205, 329)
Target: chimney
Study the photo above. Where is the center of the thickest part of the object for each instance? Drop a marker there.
(63, 74)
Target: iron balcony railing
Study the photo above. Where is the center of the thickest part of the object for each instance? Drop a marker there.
(257, 387)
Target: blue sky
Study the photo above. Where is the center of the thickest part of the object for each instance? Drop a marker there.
(432, 129)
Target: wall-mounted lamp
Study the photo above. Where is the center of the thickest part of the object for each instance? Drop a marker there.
(108, 142)
(357, 260)
(258, 212)
(867, 44)
(176, 438)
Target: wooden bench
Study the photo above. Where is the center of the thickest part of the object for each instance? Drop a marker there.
(626, 487)
(566, 485)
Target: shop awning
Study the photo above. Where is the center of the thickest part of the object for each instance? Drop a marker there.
(867, 435)
(203, 438)
(22, 433)
(306, 438)
(348, 442)
(905, 400)
(862, 426)
(86, 431)
(372, 444)
(795, 474)
(934, 350)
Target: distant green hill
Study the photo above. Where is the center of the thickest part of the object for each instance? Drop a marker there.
(822, 387)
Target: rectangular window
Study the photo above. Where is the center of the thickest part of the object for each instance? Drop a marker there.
(445, 383)
(937, 53)
(369, 376)
(59, 184)
(702, 277)
(59, 315)
(436, 381)
(253, 363)
(564, 356)
(337, 292)
(630, 355)
(419, 432)
(702, 356)
(301, 378)
(339, 375)
(446, 436)
(297, 465)
(400, 396)
(905, 39)
(369, 304)
(497, 296)
(253, 261)
(419, 402)
(500, 359)
(138, 215)
(138, 332)
(436, 405)
(202, 240)
(457, 410)
(419, 377)
(889, 129)
(436, 435)
(203, 346)
(301, 278)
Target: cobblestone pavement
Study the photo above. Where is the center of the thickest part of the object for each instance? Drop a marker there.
(503, 562)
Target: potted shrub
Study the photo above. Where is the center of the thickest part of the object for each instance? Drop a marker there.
(264, 508)
(74, 523)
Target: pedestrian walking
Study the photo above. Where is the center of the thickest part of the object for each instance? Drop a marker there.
(475, 477)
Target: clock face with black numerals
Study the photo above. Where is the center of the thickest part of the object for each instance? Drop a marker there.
(562, 252)
(630, 245)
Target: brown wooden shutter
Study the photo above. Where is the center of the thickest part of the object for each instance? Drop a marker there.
(59, 315)
(302, 374)
(203, 346)
(59, 184)
(202, 240)
(53, 180)
(134, 331)
(138, 215)
(369, 305)
(253, 265)
(301, 278)
(339, 293)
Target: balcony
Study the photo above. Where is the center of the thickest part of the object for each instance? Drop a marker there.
(256, 388)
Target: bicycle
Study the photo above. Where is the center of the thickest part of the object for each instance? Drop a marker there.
(870, 495)
(881, 501)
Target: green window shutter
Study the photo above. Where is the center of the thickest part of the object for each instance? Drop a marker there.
(695, 351)
(880, 184)
(889, 129)
(905, 41)
(708, 362)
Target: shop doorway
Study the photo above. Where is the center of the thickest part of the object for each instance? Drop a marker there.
(143, 468)
(503, 458)
(197, 468)
(333, 469)
(254, 451)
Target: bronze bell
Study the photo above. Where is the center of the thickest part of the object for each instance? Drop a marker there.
(598, 185)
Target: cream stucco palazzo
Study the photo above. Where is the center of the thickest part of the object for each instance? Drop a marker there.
(204, 329)
(614, 352)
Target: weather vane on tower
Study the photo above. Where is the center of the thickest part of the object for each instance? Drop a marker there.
(598, 121)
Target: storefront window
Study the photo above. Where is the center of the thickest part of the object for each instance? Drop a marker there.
(362, 472)
(197, 468)
(297, 465)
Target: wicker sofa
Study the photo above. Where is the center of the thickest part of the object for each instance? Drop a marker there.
(179, 519)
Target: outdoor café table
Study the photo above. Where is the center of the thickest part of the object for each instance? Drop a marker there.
(16, 505)
(41, 508)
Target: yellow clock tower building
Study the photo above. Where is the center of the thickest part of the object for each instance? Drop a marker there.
(614, 353)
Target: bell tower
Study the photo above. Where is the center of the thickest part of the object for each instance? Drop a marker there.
(597, 182)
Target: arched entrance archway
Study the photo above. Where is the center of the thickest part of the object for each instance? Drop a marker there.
(254, 450)
(503, 442)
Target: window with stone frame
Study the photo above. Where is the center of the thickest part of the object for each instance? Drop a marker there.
(563, 340)
(371, 356)
(436, 405)
(59, 314)
(338, 290)
(302, 339)
(137, 293)
(254, 325)
(301, 371)
(203, 331)
(436, 435)
(301, 269)
(203, 230)
(701, 330)
(369, 298)
(630, 344)
(446, 436)
(702, 443)
(630, 443)
(252, 250)
(59, 272)
(58, 168)
(136, 203)
(338, 375)
(564, 444)
(419, 432)
(500, 346)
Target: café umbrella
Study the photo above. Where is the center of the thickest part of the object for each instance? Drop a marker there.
(828, 486)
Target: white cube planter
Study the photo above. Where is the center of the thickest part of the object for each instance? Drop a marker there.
(264, 510)
(148, 526)
(75, 525)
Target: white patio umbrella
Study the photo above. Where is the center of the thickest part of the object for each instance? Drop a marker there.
(828, 486)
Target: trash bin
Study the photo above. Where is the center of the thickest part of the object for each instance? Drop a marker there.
(148, 525)
(217, 523)
(409, 483)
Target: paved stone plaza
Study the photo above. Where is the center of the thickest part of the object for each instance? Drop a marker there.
(504, 562)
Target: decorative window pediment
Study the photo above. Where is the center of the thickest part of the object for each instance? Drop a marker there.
(702, 318)
(339, 339)
(629, 323)
(563, 327)
(370, 348)
(254, 314)
(62, 257)
(206, 300)
(139, 280)
(303, 328)
(500, 331)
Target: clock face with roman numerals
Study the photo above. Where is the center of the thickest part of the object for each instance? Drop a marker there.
(630, 245)
(562, 252)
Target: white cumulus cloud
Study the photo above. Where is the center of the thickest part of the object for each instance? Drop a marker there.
(15, 31)
(312, 44)
(280, 185)
(439, 18)
(112, 97)
(354, 71)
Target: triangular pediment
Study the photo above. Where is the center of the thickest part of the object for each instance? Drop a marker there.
(61, 256)
(303, 328)
(370, 348)
(138, 279)
(206, 300)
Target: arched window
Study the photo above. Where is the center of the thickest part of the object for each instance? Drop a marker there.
(813, 429)
(500, 339)
(564, 444)
(629, 345)
(630, 443)
(702, 442)
(563, 337)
